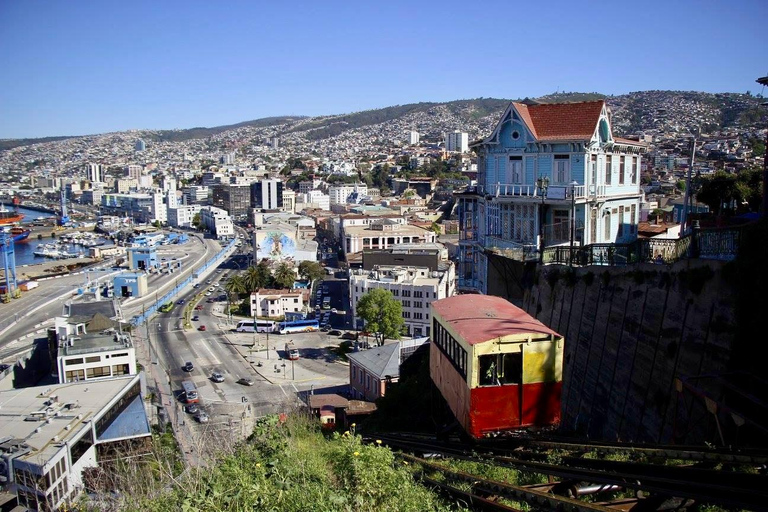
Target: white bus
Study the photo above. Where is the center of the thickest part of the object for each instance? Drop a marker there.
(259, 326)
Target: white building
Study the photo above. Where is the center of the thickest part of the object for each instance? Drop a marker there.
(217, 221)
(384, 234)
(289, 201)
(196, 194)
(413, 137)
(125, 185)
(339, 193)
(276, 303)
(313, 199)
(90, 345)
(457, 141)
(134, 171)
(414, 287)
(183, 215)
(51, 433)
(95, 173)
(267, 194)
(159, 210)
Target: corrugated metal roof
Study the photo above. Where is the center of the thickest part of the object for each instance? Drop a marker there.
(379, 361)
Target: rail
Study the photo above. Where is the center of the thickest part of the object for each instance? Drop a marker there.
(729, 488)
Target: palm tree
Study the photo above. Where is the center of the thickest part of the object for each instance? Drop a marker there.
(234, 286)
(252, 279)
(285, 275)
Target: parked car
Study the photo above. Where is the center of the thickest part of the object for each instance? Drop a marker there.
(180, 302)
(188, 366)
(199, 307)
(208, 294)
(334, 332)
(195, 318)
(245, 381)
(201, 328)
(202, 417)
(217, 377)
(191, 408)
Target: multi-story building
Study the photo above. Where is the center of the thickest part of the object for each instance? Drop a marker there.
(125, 185)
(235, 199)
(95, 173)
(90, 344)
(196, 194)
(267, 194)
(134, 171)
(183, 215)
(548, 173)
(140, 145)
(382, 234)
(414, 287)
(413, 137)
(289, 201)
(51, 433)
(313, 199)
(276, 303)
(217, 221)
(339, 193)
(457, 141)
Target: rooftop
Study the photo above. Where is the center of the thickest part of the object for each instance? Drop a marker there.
(479, 318)
(43, 417)
(379, 361)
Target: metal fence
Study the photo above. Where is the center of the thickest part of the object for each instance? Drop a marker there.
(171, 295)
(720, 243)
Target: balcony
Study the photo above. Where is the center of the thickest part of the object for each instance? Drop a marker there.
(555, 192)
(514, 250)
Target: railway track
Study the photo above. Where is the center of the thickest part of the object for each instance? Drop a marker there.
(659, 482)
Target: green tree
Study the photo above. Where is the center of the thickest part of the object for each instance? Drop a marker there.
(680, 185)
(285, 276)
(258, 276)
(235, 286)
(435, 227)
(383, 314)
(311, 270)
(196, 221)
(721, 191)
(157, 224)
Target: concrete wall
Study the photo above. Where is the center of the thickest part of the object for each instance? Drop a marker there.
(628, 333)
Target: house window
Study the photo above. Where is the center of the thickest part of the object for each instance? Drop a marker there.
(608, 169)
(607, 227)
(593, 169)
(635, 169)
(632, 223)
(406, 303)
(621, 221)
(516, 169)
(406, 314)
(562, 169)
(622, 160)
(418, 305)
(396, 293)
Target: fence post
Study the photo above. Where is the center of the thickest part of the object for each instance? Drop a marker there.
(695, 232)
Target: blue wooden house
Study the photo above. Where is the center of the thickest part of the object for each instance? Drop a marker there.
(549, 174)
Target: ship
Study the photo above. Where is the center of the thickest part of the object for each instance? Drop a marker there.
(8, 216)
(20, 234)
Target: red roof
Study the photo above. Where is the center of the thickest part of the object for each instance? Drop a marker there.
(479, 318)
(561, 121)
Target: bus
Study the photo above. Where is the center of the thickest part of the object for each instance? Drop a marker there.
(166, 307)
(298, 326)
(259, 326)
(291, 351)
(190, 392)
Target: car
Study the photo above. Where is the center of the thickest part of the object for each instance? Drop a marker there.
(245, 381)
(195, 318)
(197, 285)
(191, 408)
(217, 377)
(212, 288)
(208, 281)
(208, 294)
(201, 417)
(334, 310)
(180, 302)
(199, 307)
(188, 366)
(201, 328)
(334, 332)
(325, 328)
(209, 300)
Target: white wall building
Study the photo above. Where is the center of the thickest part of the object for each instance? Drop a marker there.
(183, 215)
(289, 201)
(413, 137)
(339, 193)
(95, 173)
(196, 194)
(457, 141)
(313, 199)
(134, 171)
(217, 221)
(159, 210)
(414, 287)
(276, 303)
(382, 235)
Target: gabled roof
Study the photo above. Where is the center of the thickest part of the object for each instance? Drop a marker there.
(379, 361)
(480, 318)
(561, 121)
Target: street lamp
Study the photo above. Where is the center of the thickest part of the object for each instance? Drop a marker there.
(573, 220)
(543, 184)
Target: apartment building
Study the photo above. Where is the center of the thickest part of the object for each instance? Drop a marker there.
(276, 303)
(339, 193)
(457, 141)
(267, 194)
(217, 221)
(183, 215)
(234, 198)
(414, 287)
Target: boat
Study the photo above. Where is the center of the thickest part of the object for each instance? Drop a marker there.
(20, 234)
(9, 216)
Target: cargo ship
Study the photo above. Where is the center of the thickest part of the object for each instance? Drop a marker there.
(8, 216)
(20, 234)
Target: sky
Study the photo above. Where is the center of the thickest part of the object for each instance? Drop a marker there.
(84, 67)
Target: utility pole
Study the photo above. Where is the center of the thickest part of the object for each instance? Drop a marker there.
(684, 220)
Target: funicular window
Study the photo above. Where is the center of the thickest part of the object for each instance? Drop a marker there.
(501, 369)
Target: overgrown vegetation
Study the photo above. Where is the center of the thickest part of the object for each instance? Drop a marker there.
(291, 466)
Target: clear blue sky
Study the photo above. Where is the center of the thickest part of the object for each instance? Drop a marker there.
(82, 67)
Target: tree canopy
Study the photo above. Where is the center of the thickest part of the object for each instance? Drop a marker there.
(731, 192)
(284, 276)
(311, 270)
(382, 313)
(258, 276)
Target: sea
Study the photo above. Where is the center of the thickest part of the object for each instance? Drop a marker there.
(25, 250)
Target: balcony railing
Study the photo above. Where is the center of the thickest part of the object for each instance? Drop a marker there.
(513, 250)
(553, 191)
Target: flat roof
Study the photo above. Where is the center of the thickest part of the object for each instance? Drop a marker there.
(401, 228)
(31, 415)
(97, 342)
(479, 318)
